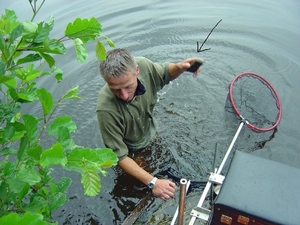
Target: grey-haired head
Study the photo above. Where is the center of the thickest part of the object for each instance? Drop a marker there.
(118, 62)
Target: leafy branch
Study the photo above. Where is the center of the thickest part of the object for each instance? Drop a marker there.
(34, 8)
(27, 190)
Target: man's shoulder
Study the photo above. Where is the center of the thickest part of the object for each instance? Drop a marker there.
(146, 65)
(104, 97)
(140, 60)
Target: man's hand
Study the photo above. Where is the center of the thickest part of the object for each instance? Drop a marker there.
(186, 64)
(176, 69)
(164, 189)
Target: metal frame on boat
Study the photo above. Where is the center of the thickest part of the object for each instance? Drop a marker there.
(255, 191)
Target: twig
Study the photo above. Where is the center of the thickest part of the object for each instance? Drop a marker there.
(199, 49)
(138, 209)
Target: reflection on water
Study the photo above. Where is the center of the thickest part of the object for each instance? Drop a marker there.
(257, 36)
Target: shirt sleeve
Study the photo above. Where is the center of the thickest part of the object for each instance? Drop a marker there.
(112, 134)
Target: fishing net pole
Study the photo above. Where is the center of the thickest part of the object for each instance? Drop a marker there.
(256, 103)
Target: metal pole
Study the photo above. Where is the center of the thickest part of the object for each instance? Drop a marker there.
(208, 185)
(230, 146)
(183, 183)
(176, 212)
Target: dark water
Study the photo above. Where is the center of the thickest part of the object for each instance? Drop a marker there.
(257, 36)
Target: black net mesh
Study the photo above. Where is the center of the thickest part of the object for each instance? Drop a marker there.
(255, 100)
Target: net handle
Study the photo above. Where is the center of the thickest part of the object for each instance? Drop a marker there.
(251, 126)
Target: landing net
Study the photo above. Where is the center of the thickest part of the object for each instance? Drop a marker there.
(254, 100)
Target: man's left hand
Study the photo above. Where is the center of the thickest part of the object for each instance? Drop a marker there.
(164, 189)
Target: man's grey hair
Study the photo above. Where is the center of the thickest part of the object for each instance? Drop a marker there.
(118, 61)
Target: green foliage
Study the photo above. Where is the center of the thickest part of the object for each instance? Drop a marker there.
(28, 192)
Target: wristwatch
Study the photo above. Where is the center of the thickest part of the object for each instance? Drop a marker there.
(152, 183)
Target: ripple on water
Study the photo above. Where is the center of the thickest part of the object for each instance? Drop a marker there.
(190, 112)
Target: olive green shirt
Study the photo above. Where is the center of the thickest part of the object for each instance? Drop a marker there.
(125, 126)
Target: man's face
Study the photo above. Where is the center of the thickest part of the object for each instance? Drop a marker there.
(124, 86)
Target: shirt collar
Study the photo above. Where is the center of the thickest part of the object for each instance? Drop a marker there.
(140, 90)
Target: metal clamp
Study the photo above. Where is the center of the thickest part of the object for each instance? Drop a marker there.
(201, 213)
(216, 178)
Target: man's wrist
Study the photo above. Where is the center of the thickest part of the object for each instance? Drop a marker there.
(151, 184)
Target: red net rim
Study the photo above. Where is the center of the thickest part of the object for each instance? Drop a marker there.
(239, 114)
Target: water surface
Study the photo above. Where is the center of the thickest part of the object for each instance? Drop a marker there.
(257, 36)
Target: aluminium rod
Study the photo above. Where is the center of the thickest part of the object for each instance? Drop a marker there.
(230, 147)
(209, 183)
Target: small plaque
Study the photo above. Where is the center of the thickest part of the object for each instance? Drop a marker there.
(243, 220)
(226, 219)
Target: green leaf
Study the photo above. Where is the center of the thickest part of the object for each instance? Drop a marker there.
(32, 75)
(107, 164)
(25, 97)
(35, 152)
(28, 174)
(8, 111)
(17, 32)
(53, 46)
(3, 190)
(43, 31)
(91, 182)
(109, 42)
(7, 151)
(58, 73)
(31, 126)
(37, 33)
(19, 128)
(16, 185)
(57, 200)
(72, 94)
(27, 74)
(108, 157)
(65, 139)
(9, 82)
(60, 186)
(54, 155)
(64, 121)
(46, 100)
(30, 29)
(100, 51)
(48, 58)
(2, 71)
(37, 204)
(9, 15)
(84, 29)
(29, 58)
(9, 21)
(4, 49)
(22, 147)
(24, 219)
(8, 168)
(4, 79)
(80, 49)
(96, 158)
(49, 46)
(24, 94)
(25, 190)
(8, 133)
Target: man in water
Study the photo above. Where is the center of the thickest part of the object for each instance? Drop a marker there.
(125, 105)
